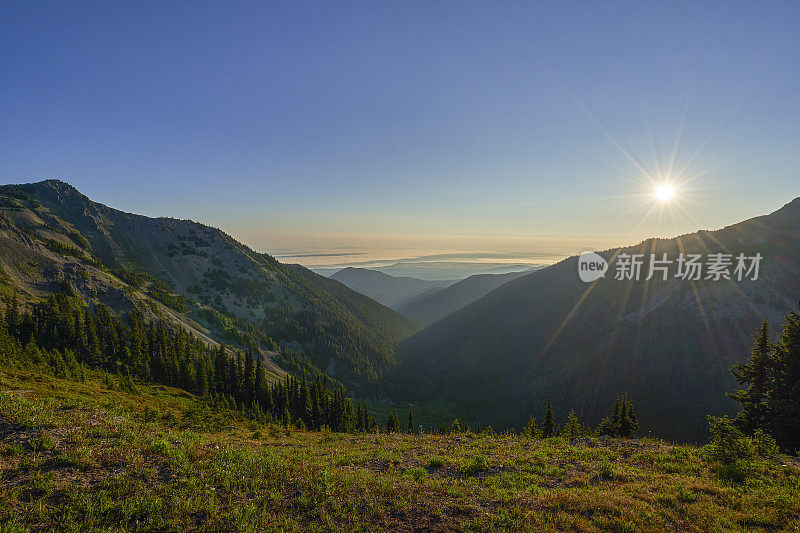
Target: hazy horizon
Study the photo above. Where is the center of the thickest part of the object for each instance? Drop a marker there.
(430, 258)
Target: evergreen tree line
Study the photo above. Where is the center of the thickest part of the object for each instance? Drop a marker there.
(770, 397)
(622, 423)
(68, 337)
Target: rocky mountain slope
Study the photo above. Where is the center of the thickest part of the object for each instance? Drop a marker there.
(52, 238)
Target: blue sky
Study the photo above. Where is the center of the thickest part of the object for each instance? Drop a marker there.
(408, 127)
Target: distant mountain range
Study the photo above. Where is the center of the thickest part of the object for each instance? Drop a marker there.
(423, 301)
(391, 291)
(54, 240)
(434, 305)
(441, 270)
(669, 344)
(448, 270)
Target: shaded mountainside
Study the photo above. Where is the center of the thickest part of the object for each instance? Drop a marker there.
(670, 344)
(391, 291)
(52, 237)
(435, 305)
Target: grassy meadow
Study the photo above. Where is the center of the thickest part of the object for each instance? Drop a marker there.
(103, 455)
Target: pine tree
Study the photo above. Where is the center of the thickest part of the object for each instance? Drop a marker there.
(623, 422)
(549, 426)
(392, 424)
(306, 410)
(12, 313)
(410, 426)
(249, 381)
(220, 368)
(783, 398)
(572, 428)
(260, 378)
(317, 409)
(531, 429)
(94, 357)
(617, 409)
(756, 373)
(202, 379)
(360, 419)
(771, 400)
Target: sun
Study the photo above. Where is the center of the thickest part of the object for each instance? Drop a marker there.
(664, 192)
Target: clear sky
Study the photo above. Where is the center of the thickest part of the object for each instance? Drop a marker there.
(409, 128)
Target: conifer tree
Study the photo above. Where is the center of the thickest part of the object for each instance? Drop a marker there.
(623, 421)
(249, 382)
(12, 313)
(549, 426)
(359, 419)
(306, 409)
(410, 426)
(259, 378)
(572, 428)
(783, 400)
(202, 379)
(531, 429)
(392, 423)
(771, 401)
(756, 374)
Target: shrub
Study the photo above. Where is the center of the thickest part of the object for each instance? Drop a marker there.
(604, 469)
(734, 472)
(476, 466)
(417, 474)
(126, 385)
(728, 443)
(764, 444)
(436, 461)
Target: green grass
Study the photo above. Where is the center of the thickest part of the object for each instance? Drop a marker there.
(83, 457)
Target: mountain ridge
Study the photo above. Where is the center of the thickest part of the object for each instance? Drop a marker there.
(585, 343)
(216, 282)
(391, 291)
(432, 306)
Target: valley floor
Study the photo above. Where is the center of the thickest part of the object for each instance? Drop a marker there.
(90, 456)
